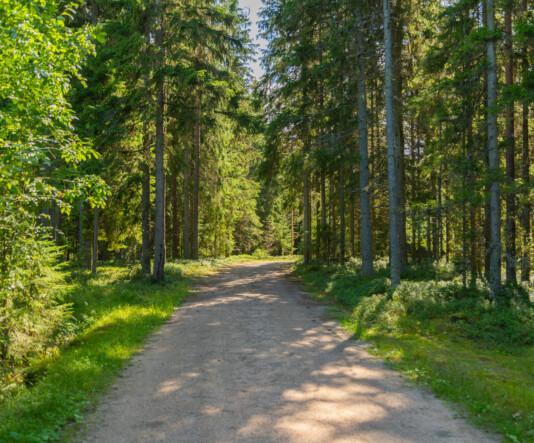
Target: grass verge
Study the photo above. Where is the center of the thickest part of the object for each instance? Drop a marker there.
(113, 314)
(471, 353)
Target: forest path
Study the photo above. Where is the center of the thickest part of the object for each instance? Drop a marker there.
(251, 358)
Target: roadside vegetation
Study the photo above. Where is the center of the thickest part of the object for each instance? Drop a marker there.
(133, 132)
(450, 338)
(106, 319)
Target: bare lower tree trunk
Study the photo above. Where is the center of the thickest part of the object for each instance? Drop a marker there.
(317, 244)
(525, 173)
(196, 179)
(413, 143)
(472, 207)
(81, 243)
(493, 157)
(146, 204)
(398, 36)
(324, 240)
(159, 222)
(394, 225)
(146, 247)
(94, 254)
(352, 218)
(473, 254)
(145, 221)
(292, 249)
(342, 223)
(175, 237)
(186, 221)
(307, 218)
(510, 226)
(439, 216)
(366, 239)
(332, 234)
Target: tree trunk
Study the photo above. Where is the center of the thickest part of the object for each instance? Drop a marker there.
(324, 240)
(439, 217)
(493, 157)
(394, 225)
(81, 243)
(352, 217)
(146, 248)
(307, 218)
(159, 222)
(510, 227)
(175, 237)
(94, 254)
(342, 222)
(292, 249)
(366, 239)
(332, 234)
(398, 37)
(472, 207)
(525, 173)
(145, 222)
(186, 222)
(196, 179)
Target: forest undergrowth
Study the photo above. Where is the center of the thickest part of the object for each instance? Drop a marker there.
(107, 319)
(452, 339)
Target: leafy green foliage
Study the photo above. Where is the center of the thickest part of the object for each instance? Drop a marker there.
(39, 156)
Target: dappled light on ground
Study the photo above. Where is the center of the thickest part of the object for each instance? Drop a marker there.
(252, 359)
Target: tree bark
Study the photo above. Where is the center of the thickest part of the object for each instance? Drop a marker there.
(398, 37)
(94, 254)
(493, 156)
(196, 179)
(186, 222)
(175, 237)
(394, 224)
(342, 222)
(307, 218)
(159, 223)
(472, 207)
(81, 243)
(366, 239)
(292, 248)
(146, 204)
(525, 172)
(146, 248)
(510, 226)
(324, 240)
(352, 215)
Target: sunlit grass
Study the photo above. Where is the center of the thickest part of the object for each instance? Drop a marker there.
(115, 312)
(489, 374)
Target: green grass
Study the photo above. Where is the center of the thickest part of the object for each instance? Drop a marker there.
(113, 315)
(452, 340)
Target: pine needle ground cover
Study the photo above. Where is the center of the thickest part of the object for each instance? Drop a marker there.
(112, 315)
(449, 338)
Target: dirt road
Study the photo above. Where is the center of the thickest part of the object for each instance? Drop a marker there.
(252, 359)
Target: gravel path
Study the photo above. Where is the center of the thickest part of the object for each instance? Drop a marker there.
(252, 359)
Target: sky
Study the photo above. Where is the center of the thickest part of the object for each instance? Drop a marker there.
(254, 7)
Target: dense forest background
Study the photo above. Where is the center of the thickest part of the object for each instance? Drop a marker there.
(385, 135)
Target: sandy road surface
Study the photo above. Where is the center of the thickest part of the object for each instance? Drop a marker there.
(252, 359)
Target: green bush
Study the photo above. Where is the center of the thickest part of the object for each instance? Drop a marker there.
(426, 306)
(454, 339)
(32, 317)
(430, 307)
(260, 253)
